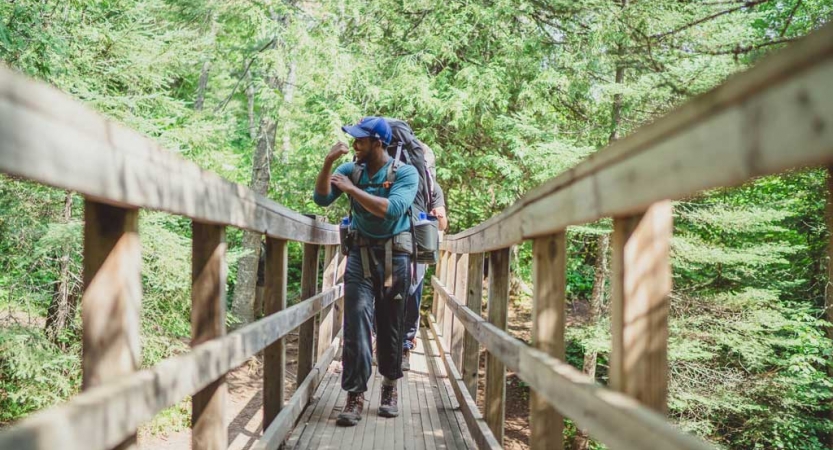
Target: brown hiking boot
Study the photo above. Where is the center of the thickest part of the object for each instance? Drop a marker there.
(390, 399)
(352, 413)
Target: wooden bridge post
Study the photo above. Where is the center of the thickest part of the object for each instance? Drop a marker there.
(495, 371)
(474, 300)
(208, 321)
(274, 356)
(640, 285)
(112, 299)
(439, 300)
(306, 332)
(438, 273)
(326, 326)
(448, 312)
(549, 267)
(460, 286)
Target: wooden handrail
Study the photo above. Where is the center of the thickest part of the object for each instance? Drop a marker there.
(104, 416)
(774, 117)
(614, 418)
(53, 139)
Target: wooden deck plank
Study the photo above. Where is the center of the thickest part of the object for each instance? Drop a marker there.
(420, 371)
(323, 424)
(336, 434)
(438, 431)
(454, 405)
(407, 415)
(429, 416)
(301, 426)
(378, 440)
(362, 427)
(315, 418)
(415, 430)
(441, 393)
(404, 419)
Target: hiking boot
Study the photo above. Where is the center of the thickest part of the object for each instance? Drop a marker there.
(352, 413)
(406, 359)
(390, 398)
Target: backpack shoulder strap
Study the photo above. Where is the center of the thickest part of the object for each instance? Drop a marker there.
(394, 166)
(356, 175)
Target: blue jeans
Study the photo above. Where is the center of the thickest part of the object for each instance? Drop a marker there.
(361, 297)
(412, 316)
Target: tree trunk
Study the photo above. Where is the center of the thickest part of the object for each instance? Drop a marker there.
(243, 303)
(828, 292)
(582, 439)
(288, 96)
(62, 308)
(250, 100)
(206, 67)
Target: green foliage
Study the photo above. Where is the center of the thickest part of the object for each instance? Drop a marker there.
(35, 373)
(508, 94)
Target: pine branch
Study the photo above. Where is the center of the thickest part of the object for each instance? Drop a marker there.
(790, 18)
(747, 4)
(225, 102)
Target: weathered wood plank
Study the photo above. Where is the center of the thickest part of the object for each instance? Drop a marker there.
(444, 403)
(448, 317)
(549, 268)
(321, 411)
(106, 415)
(495, 371)
(404, 435)
(480, 431)
(306, 333)
(474, 300)
(53, 139)
(640, 285)
(285, 420)
(326, 324)
(208, 321)
(112, 299)
(304, 410)
(333, 437)
(274, 356)
(613, 418)
(438, 300)
(460, 290)
(361, 429)
(746, 124)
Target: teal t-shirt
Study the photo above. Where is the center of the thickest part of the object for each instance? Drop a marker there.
(400, 197)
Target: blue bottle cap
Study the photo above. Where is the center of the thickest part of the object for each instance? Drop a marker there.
(345, 221)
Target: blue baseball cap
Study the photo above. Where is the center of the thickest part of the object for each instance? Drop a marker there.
(375, 127)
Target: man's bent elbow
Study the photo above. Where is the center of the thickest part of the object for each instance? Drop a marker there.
(321, 200)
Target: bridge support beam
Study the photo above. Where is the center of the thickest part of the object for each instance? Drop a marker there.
(460, 291)
(549, 268)
(112, 299)
(208, 321)
(495, 370)
(274, 356)
(640, 285)
(306, 332)
(474, 300)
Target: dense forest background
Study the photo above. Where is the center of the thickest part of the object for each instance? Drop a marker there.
(508, 94)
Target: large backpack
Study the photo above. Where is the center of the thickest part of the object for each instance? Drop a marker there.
(405, 148)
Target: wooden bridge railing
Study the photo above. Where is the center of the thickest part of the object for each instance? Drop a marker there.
(773, 118)
(47, 137)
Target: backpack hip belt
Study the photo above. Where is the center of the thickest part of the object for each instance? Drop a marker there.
(401, 243)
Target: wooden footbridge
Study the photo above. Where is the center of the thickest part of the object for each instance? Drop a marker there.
(775, 117)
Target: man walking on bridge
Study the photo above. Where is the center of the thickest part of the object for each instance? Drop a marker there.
(378, 264)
